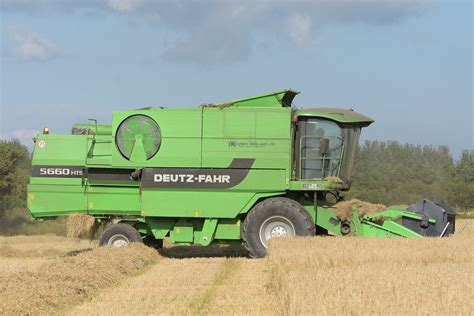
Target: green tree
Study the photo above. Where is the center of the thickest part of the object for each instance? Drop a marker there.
(461, 186)
(394, 173)
(465, 166)
(14, 171)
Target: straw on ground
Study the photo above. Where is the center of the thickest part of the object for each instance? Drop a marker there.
(323, 275)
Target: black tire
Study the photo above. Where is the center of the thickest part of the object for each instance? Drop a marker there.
(152, 242)
(119, 235)
(287, 213)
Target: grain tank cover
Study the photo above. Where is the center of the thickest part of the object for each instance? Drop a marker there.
(277, 99)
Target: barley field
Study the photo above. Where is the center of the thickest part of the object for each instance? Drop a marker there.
(300, 276)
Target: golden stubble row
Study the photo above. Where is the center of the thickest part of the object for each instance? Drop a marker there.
(372, 276)
(323, 275)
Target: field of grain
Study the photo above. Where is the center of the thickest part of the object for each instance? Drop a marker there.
(323, 275)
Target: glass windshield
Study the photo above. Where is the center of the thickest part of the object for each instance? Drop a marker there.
(321, 147)
(325, 149)
(351, 139)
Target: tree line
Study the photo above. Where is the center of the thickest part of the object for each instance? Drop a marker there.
(392, 173)
(15, 162)
(384, 172)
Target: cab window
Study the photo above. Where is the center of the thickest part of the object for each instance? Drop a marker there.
(320, 148)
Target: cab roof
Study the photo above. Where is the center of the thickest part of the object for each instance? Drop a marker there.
(339, 115)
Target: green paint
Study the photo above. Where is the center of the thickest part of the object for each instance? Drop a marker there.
(364, 226)
(183, 232)
(91, 128)
(338, 115)
(274, 99)
(208, 230)
(102, 172)
(228, 229)
(328, 220)
(159, 227)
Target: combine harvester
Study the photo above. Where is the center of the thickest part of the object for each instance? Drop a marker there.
(246, 170)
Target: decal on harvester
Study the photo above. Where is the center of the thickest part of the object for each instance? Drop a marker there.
(250, 143)
(190, 178)
(197, 178)
(57, 171)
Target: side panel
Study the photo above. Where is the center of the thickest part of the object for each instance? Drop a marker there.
(55, 200)
(169, 202)
(228, 229)
(62, 150)
(179, 198)
(99, 150)
(180, 138)
(259, 133)
(113, 200)
(56, 180)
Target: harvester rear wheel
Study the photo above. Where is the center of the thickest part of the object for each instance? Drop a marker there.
(274, 217)
(119, 235)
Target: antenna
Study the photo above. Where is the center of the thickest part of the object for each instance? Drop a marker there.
(95, 122)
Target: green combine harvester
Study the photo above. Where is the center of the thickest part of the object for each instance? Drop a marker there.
(242, 171)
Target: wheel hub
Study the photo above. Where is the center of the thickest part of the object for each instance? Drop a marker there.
(278, 231)
(118, 241)
(275, 227)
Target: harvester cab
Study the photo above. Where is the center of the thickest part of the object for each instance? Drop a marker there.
(246, 171)
(325, 143)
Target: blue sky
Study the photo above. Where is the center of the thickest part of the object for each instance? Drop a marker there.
(407, 64)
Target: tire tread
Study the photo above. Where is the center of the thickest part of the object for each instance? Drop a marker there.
(121, 228)
(310, 228)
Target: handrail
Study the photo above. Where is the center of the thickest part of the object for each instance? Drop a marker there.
(323, 158)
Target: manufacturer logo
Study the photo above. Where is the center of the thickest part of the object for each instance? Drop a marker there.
(42, 144)
(201, 178)
(191, 178)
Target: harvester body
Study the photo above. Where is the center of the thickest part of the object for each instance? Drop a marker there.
(193, 174)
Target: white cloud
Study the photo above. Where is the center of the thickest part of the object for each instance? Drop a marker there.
(211, 31)
(30, 46)
(33, 6)
(25, 133)
(124, 6)
(25, 136)
(300, 28)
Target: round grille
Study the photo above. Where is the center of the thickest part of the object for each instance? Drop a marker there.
(135, 127)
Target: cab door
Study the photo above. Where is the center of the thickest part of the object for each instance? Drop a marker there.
(319, 148)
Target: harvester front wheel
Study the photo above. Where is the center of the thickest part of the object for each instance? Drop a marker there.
(119, 235)
(274, 217)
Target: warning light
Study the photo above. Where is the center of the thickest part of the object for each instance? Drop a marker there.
(45, 130)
